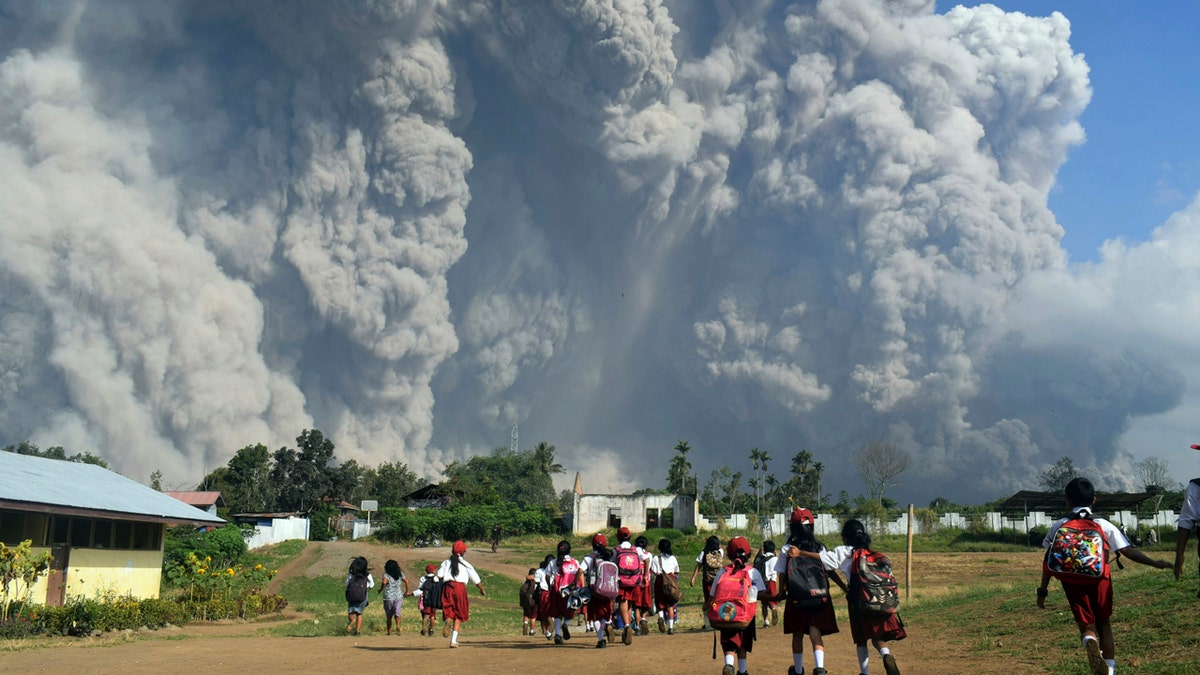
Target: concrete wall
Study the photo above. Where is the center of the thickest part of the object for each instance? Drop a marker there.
(99, 572)
(592, 512)
(280, 529)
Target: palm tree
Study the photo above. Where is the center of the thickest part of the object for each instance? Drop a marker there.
(679, 469)
(756, 460)
(543, 457)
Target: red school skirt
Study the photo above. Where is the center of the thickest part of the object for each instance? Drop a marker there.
(864, 627)
(661, 603)
(455, 605)
(545, 607)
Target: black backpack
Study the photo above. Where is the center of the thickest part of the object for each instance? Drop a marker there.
(760, 563)
(528, 594)
(431, 592)
(356, 589)
(808, 584)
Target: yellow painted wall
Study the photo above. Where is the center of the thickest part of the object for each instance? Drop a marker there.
(39, 588)
(94, 572)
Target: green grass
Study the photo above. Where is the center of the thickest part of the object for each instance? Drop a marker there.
(1153, 623)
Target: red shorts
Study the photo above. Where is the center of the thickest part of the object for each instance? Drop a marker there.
(558, 606)
(772, 589)
(1090, 603)
(799, 620)
(544, 607)
(660, 602)
(630, 595)
(599, 608)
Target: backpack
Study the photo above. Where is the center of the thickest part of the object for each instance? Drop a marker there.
(356, 589)
(671, 592)
(1078, 552)
(730, 607)
(713, 561)
(761, 561)
(629, 568)
(873, 588)
(808, 584)
(431, 592)
(528, 594)
(605, 578)
(567, 572)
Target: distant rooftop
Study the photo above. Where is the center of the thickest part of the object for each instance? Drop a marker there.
(198, 499)
(30, 483)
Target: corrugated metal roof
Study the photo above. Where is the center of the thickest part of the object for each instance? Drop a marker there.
(37, 482)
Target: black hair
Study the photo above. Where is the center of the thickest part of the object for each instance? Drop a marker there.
(712, 544)
(1080, 492)
(801, 536)
(664, 546)
(392, 568)
(739, 559)
(768, 546)
(454, 560)
(641, 541)
(547, 559)
(358, 566)
(564, 549)
(855, 534)
(532, 571)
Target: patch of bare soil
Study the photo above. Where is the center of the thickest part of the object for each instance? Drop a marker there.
(231, 648)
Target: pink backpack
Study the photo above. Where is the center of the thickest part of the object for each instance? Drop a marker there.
(730, 607)
(567, 571)
(629, 568)
(606, 581)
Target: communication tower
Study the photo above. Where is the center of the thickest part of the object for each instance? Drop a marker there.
(512, 443)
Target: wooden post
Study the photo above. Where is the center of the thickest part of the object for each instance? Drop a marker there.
(908, 558)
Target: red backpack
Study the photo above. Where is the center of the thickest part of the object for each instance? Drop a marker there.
(730, 607)
(629, 568)
(873, 588)
(1078, 552)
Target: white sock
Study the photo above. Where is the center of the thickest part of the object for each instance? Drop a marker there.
(454, 638)
(600, 628)
(741, 665)
(729, 659)
(798, 662)
(1085, 639)
(818, 657)
(864, 660)
(1112, 666)
(884, 651)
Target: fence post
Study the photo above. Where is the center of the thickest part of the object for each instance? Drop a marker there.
(908, 558)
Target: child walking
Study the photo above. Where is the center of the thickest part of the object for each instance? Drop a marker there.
(456, 608)
(737, 644)
(563, 573)
(1189, 517)
(544, 606)
(428, 611)
(358, 582)
(709, 561)
(665, 568)
(1091, 601)
(394, 588)
(765, 562)
(528, 597)
(801, 615)
(600, 609)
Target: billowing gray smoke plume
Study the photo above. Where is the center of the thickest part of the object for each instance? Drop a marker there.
(411, 224)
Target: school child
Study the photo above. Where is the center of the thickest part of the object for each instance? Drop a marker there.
(394, 587)
(644, 599)
(633, 573)
(428, 613)
(711, 559)
(599, 607)
(802, 616)
(1091, 601)
(456, 608)
(563, 573)
(528, 599)
(665, 568)
(358, 582)
(1189, 517)
(544, 607)
(737, 644)
(765, 562)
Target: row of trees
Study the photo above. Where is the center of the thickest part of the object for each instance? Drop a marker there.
(878, 463)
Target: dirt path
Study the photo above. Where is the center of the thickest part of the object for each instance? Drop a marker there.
(233, 648)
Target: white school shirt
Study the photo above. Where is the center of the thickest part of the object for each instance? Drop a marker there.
(1116, 540)
(664, 564)
(756, 584)
(466, 572)
(828, 561)
(769, 566)
(539, 578)
(1189, 515)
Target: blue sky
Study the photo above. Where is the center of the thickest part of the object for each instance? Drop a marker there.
(1141, 160)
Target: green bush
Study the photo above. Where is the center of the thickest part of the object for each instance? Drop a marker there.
(225, 546)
